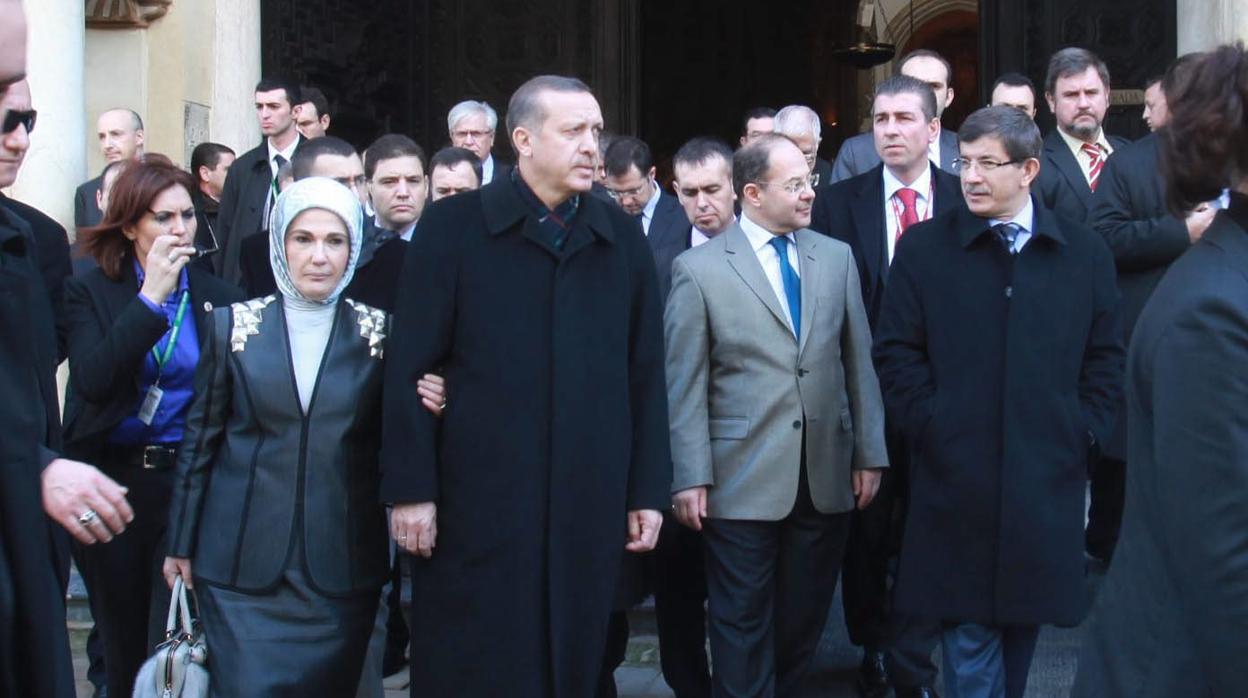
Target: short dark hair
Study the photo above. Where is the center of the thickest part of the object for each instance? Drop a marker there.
(750, 163)
(1017, 132)
(293, 96)
(524, 109)
(701, 150)
(904, 84)
(309, 149)
(1073, 60)
(390, 146)
(1205, 144)
(451, 156)
(625, 152)
(317, 98)
(756, 113)
(1178, 73)
(927, 53)
(1014, 80)
(131, 198)
(207, 155)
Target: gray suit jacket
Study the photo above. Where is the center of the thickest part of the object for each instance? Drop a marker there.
(857, 155)
(740, 386)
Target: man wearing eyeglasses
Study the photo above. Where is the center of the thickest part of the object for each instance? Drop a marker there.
(472, 125)
(871, 212)
(1000, 358)
(630, 183)
(777, 427)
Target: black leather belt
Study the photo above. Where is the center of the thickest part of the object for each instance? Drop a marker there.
(146, 457)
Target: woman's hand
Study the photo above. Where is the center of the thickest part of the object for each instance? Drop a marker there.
(163, 265)
(175, 567)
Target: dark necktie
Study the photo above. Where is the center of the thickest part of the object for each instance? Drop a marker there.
(792, 284)
(1007, 233)
(280, 162)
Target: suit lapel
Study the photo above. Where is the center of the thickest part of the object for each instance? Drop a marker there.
(867, 210)
(809, 271)
(948, 150)
(1065, 162)
(742, 259)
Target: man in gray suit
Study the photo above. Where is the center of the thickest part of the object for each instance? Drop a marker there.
(857, 154)
(777, 427)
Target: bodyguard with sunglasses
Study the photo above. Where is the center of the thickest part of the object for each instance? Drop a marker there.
(133, 327)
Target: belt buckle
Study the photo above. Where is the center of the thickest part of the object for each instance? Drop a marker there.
(149, 454)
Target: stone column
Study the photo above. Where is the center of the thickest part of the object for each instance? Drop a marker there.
(1205, 24)
(55, 164)
(236, 48)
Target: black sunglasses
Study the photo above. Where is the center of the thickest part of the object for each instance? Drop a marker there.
(16, 117)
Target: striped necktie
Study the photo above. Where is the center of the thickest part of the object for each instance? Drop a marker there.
(1093, 151)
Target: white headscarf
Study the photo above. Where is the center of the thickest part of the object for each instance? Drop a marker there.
(313, 192)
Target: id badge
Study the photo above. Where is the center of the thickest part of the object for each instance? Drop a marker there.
(151, 401)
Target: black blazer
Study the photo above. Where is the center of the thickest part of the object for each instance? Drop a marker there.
(86, 210)
(374, 282)
(1169, 618)
(996, 368)
(669, 236)
(241, 214)
(51, 253)
(256, 476)
(109, 332)
(852, 211)
(1061, 185)
(1129, 210)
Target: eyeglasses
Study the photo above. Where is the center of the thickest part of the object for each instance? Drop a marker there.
(475, 135)
(796, 185)
(635, 192)
(17, 117)
(965, 164)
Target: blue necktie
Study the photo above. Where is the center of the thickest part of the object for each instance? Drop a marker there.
(1008, 234)
(792, 284)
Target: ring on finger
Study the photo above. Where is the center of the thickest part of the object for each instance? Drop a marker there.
(88, 517)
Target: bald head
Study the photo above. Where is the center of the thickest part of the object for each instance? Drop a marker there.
(120, 133)
(12, 43)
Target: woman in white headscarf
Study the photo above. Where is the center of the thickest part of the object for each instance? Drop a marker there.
(275, 518)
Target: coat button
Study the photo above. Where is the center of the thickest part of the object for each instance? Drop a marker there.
(1009, 291)
(797, 424)
(801, 372)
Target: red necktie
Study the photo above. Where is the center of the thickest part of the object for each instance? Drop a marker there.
(1093, 151)
(909, 213)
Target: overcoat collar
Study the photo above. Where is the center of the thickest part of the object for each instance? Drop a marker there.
(503, 208)
(971, 227)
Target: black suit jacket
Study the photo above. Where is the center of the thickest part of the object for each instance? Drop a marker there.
(109, 332)
(86, 211)
(996, 367)
(669, 232)
(1169, 619)
(374, 283)
(241, 215)
(1129, 210)
(256, 476)
(51, 254)
(852, 211)
(1061, 185)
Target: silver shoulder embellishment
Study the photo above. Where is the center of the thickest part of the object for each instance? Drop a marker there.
(247, 320)
(372, 324)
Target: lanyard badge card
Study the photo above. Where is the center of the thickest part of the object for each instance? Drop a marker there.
(151, 401)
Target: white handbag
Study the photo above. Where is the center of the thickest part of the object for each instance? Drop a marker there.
(178, 668)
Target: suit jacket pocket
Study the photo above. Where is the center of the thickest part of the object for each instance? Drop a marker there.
(847, 421)
(729, 427)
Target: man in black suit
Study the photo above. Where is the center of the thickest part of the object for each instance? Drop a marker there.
(630, 182)
(120, 133)
(472, 125)
(1014, 90)
(1077, 91)
(453, 171)
(1129, 210)
(210, 163)
(312, 119)
(251, 185)
(702, 170)
(857, 154)
(802, 126)
(871, 212)
(1000, 358)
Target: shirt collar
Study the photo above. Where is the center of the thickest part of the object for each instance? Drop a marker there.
(758, 236)
(487, 168)
(922, 184)
(289, 151)
(653, 203)
(1076, 145)
(1025, 219)
(405, 233)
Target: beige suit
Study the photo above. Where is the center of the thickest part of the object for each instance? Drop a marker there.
(740, 386)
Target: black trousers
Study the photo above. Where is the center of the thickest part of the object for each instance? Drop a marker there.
(1109, 478)
(132, 599)
(769, 586)
(679, 608)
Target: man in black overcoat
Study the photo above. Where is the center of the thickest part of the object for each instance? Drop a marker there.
(540, 306)
(1000, 357)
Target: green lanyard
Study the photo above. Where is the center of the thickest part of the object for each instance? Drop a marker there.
(173, 335)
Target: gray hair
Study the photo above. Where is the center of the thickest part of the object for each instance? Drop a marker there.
(525, 109)
(1073, 61)
(469, 107)
(797, 120)
(751, 163)
(1017, 132)
(904, 84)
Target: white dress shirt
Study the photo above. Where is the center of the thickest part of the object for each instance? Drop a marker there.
(288, 152)
(487, 169)
(760, 240)
(893, 208)
(697, 237)
(647, 211)
(933, 148)
(1025, 219)
(1085, 160)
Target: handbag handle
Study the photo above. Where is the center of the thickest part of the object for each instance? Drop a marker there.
(179, 609)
